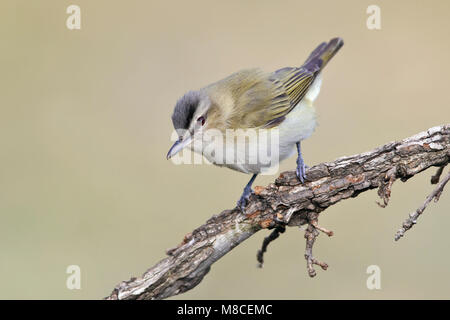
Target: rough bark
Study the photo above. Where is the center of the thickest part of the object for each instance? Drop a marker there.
(286, 202)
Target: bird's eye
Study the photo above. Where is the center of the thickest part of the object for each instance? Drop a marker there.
(201, 120)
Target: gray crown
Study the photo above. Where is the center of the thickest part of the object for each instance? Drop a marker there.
(185, 109)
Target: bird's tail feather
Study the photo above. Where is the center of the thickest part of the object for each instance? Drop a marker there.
(318, 59)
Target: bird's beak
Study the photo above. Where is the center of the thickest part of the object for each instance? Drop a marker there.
(178, 146)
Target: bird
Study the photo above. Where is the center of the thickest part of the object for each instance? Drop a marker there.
(280, 101)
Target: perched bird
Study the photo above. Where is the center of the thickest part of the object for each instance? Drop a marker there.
(252, 99)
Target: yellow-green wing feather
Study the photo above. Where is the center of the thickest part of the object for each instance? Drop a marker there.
(254, 99)
(245, 100)
(297, 81)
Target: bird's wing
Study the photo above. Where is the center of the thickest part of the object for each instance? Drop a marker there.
(259, 100)
(262, 100)
(287, 87)
(255, 99)
(294, 82)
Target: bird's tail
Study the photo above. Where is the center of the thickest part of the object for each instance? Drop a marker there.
(318, 59)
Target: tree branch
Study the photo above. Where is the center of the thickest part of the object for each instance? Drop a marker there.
(286, 202)
(412, 219)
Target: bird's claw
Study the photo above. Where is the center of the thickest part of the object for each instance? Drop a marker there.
(301, 170)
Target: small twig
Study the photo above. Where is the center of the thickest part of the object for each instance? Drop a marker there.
(310, 237)
(311, 234)
(271, 237)
(384, 191)
(412, 219)
(437, 176)
(315, 224)
(281, 222)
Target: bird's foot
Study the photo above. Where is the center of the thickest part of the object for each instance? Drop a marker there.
(301, 169)
(301, 166)
(243, 200)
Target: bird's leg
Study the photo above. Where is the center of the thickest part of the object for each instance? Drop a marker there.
(246, 194)
(301, 166)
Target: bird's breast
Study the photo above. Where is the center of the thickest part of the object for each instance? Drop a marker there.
(298, 125)
(257, 150)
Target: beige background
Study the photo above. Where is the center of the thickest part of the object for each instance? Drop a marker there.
(85, 127)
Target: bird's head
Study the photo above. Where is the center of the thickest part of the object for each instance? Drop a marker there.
(190, 119)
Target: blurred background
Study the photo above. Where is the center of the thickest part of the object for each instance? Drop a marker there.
(85, 127)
